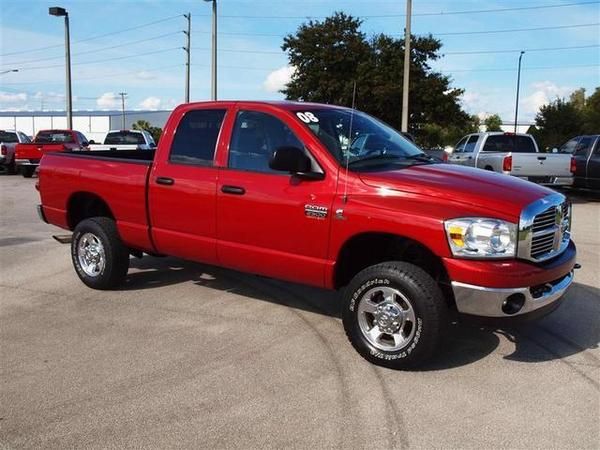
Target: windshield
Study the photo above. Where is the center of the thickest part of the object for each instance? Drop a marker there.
(372, 142)
(124, 138)
(49, 137)
(8, 137)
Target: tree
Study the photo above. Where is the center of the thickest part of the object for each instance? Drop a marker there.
(493, 123)
(557, 122)
(577, 99)
(145, 125)
(331, 55)
(591, 113)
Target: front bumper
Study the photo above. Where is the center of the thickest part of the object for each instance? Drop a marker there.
(495, 302)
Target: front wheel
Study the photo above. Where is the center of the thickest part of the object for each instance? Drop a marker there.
(394, 314)
(99, 256)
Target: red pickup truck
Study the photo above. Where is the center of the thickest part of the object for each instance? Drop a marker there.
(28, 156)
(326, 196)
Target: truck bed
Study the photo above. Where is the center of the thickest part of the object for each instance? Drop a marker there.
(120, 176)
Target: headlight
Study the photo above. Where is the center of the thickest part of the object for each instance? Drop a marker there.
(474, 237)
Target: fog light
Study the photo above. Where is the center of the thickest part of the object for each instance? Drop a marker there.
(513, 304)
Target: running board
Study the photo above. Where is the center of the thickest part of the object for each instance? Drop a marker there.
(63, 238)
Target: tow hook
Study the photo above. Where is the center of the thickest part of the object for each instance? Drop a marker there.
(577, 266)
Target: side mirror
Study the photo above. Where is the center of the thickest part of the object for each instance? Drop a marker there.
(554, 150)
(290, 159)
(92, 142)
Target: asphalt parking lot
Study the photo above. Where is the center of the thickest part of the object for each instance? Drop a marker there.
(187, 355)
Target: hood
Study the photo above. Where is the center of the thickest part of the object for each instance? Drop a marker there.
(459, 184)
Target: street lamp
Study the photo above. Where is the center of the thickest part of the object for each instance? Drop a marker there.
(213, 87)
(518, 84)
(405, 83)
(8, 71)
(62, 12)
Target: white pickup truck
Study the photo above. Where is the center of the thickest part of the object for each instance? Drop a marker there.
(126, 140)
(513, 154)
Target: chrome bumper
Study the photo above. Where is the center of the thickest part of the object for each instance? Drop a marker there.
(26, 162)
(488, 302)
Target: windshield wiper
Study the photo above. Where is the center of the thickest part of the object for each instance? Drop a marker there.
(374, 157)
(422, 157)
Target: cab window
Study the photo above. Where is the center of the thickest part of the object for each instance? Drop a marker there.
(461, 145)
(470, 145)
(196, 137)
(255, 138)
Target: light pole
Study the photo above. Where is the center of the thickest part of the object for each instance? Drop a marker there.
(518, 85)
(405, 84)
(213, 86)
(8, 71)
(188, 50)
(62, 12)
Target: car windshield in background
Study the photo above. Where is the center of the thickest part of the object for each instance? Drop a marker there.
(8, 138)
(51, 137)
(372, 141)
(124, 138)
(509, 143)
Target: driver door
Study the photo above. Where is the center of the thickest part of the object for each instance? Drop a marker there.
(266, 220)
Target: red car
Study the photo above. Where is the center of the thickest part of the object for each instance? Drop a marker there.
(28, 156)
(325, 196)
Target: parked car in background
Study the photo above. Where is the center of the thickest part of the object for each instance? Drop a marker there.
(586, 154)
(280, 189)
(126, 140)
(28, 155)
(438, 153)
(8, 141)
(514, 154)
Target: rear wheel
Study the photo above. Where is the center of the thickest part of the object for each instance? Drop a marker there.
(27, 171)
(394, 315)
(100, 258)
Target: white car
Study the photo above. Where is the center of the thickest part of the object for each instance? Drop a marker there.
(8, 141)
(513, 154)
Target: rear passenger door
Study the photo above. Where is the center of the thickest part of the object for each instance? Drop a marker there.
(182, 187)
(264, 224)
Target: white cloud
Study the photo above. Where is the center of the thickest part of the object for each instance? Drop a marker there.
(150, 103)
(278, 79)
(544, 93)
(108, 100)
(145, 75)
(7, 97)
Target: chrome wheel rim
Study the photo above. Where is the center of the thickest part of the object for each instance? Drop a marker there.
(90, 254)
(386, 318)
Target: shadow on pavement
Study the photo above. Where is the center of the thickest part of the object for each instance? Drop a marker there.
(557, 336)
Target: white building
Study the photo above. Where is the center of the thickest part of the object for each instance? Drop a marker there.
(93, 124)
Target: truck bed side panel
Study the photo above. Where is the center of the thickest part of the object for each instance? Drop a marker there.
(120, 184)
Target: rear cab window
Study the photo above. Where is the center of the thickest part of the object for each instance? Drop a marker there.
(124, 138)
(53, 137)
(196, 137)
(505, 143)
(7, 137)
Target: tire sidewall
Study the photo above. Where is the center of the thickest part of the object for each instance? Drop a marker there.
(89, 226)
(418, 347)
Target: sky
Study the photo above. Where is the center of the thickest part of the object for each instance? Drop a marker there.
(136, 47)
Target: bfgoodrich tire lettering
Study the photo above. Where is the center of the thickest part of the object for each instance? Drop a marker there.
(394, 314)
(98, 254)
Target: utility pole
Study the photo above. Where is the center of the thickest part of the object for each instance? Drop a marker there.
(405, 84)
(187, 49)
(518, 85)
(213, 87)
(123, 95)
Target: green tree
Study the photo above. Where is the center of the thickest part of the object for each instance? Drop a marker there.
(557, 122)
(493, 123)
(331, 55)
(577, 99)
(145, 125)
(591, 113)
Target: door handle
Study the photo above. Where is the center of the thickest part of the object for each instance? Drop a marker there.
(165, 180)
(470, 157)
(541, 158)
(235, 190)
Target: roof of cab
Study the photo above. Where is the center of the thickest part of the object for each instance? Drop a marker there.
(283, 104)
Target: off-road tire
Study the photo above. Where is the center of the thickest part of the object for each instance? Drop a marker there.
(116, 254)
(426, 300)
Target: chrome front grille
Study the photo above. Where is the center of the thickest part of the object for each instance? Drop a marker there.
(544, 228)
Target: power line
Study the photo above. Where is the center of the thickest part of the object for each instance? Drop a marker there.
(482, 52)
(137, 27)
(124, 44)
(105, 60)
(441, 13)
(512, 69)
